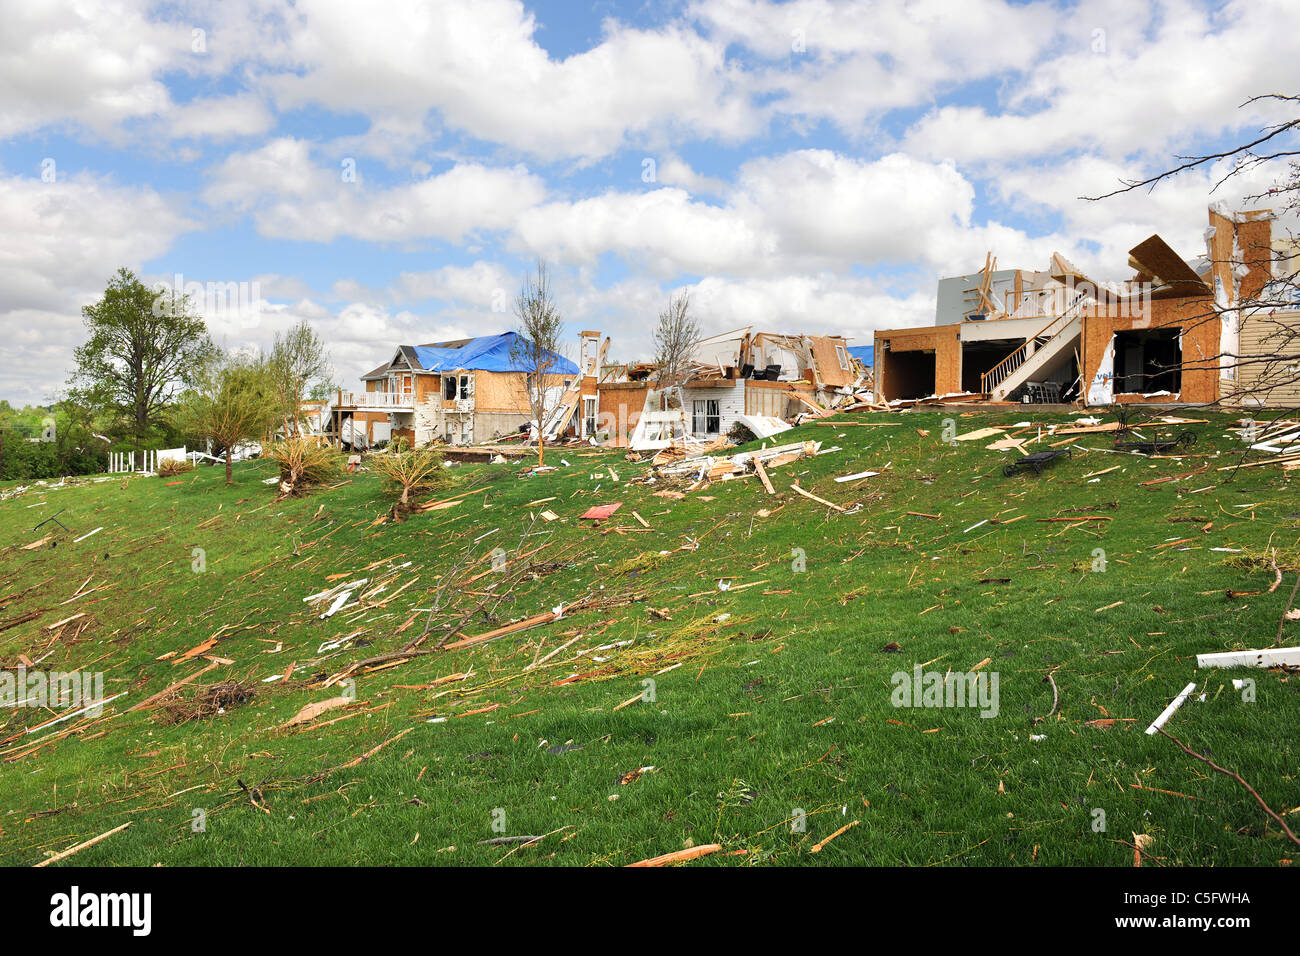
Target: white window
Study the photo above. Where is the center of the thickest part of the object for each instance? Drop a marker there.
(588, 417)
(707, 419)
(464, 386)
(843, 356)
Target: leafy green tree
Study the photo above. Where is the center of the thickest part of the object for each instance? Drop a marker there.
(231, 400)
(143, 347)
(298, 361)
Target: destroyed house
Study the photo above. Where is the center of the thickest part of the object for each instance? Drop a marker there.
(760, 380)
(1167, 335)
(460, 392)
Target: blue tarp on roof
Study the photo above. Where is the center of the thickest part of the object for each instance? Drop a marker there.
(866, 354)
(488, 353)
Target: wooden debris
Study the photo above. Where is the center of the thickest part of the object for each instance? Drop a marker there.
(81, 846)
(680, 856)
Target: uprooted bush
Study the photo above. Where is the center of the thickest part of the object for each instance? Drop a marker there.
(173, 467)
(208, 702)
(303, 464)
(407, 470)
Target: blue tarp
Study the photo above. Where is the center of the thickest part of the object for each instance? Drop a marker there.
(488, 353)
(866, 354)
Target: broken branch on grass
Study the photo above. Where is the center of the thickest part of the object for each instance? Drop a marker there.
(1237, 777)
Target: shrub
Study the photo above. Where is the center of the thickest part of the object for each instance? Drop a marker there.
(173, 467)
(303, 463)
(408, 470)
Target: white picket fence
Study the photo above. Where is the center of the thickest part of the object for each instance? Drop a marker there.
(144, 462)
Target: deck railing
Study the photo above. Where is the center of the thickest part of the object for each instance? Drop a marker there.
(378, 399)
(1007, 367)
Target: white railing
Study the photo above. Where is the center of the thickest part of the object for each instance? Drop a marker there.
(378, 399)
(995, 376)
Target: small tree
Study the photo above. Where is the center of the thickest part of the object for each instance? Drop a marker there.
(408, 470)
(298, 363)
(143, 347)
(536, 349)
(674, 340)
(232, 401)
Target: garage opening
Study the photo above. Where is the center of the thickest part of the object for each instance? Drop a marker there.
(1148, 361)
(907, 374)
(978, 358)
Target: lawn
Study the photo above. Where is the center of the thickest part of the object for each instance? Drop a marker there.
(727, 678)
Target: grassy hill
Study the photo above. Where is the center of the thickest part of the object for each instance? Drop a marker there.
(770, 702)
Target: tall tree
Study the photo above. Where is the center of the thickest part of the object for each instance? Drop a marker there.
(143, 347)
(232, 400)
(537, 346)
(674, 340)
(298, 362)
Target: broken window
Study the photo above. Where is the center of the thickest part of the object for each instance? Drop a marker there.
(449, 387)
(588, 416)
(1148, 361)
(464, 386)
(708, 417)
(843, 356)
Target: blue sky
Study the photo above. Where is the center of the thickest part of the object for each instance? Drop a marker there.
(806, 166)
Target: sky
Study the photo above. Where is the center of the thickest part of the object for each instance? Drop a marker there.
(389, 172)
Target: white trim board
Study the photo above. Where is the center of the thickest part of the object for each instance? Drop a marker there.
(1273, 657)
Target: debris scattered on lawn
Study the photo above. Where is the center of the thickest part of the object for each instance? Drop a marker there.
(1169, 711)
(680, 856)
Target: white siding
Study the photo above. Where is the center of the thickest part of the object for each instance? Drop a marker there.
(730, 399)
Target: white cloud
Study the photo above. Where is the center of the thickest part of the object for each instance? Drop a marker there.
(852, 62)
(219, 117)
(662, 230)
(1130, 95)
(805, 209)
(95, 64)
(476, 65)
(289, 196)
(60, 244)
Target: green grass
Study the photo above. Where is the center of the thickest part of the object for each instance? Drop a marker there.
(779, 701)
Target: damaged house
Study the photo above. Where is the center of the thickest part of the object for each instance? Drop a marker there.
(1169, 334)
(462, 392)
(760, 380)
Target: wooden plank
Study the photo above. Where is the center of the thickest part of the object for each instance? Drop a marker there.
(167, 690)
(813, 497)
(81, 846)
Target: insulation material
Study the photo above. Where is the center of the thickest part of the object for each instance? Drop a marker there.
(786, 358)
(763, 426)
(722, 350)
(1229, 334)
(1101, 390)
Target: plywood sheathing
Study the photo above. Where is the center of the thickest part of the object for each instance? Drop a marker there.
(1200, 328)
(942, 340)
(1154, 257)
(619, 408)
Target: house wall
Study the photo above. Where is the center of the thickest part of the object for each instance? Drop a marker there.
(730, 395)
(1200, 328)
(828, 362)
(619, 408)
(1269, 375)
(769, 398)
(943, 341)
